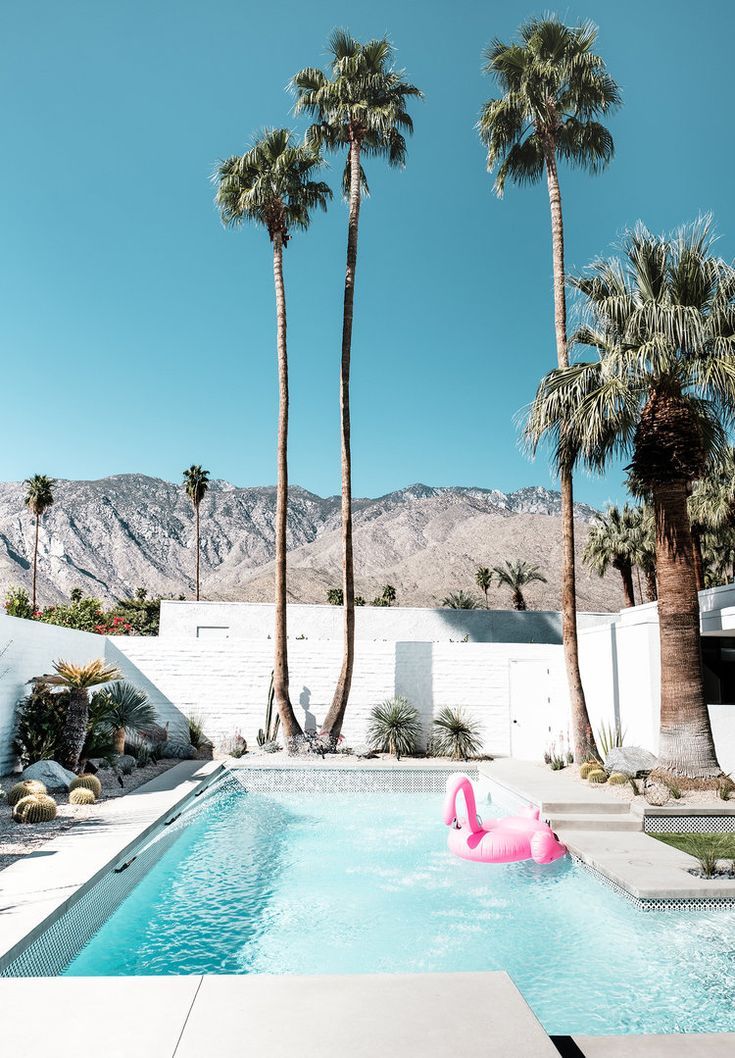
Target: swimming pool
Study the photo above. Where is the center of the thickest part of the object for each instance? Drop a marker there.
(306, 883)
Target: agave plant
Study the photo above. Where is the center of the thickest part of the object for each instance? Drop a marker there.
(79, 679)
(457, 735)
(394, 727)
(126, 709)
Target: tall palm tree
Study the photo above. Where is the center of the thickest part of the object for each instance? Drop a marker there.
(613, 541)
(516, 575)
(196, 483)
(360, 106)
(79, 679)
(662, 391)
(484, 579)
(272, 187)
(39, 497)
(554, 87)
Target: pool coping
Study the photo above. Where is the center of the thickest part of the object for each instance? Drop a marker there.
(40, 887)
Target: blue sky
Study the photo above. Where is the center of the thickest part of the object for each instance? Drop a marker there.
(137, 335)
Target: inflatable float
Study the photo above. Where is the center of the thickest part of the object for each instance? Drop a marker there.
(503, 840)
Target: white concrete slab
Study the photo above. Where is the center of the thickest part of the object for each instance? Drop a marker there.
(683, 1045)
(120, 1017)
(391, 1016)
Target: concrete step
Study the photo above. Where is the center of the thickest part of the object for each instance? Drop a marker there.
(586, 807)
(593, 821)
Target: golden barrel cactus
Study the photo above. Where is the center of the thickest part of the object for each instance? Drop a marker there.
(38, 808)
(26, 788)
(86, 782)
(82, 796)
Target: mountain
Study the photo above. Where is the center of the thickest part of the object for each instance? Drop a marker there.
(113, 535)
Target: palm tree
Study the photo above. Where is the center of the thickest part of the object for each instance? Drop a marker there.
(271, 186)
(553, 88)
(459, 600)
(335, 597)
(359, 106)
(126, 709)
(196, 483)
(79, 679)
(39, 497)
(661, 390)
(642, 530)
(613, 541)
(712, 510)
(516, 575)
(484, 579)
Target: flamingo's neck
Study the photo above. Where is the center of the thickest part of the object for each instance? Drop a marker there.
(460, 784)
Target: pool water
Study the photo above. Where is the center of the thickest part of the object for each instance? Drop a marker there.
(363, 883)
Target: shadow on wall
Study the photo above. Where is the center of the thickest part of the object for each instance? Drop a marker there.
(502, 626)
(414, 679)
(166, 711)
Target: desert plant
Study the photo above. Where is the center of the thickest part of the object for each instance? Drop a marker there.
(610, 736)
(81, 796)
(456, 734)
(516, 575)
(269, 733)
(707, 849)
(197, 736)
(196, 484)
(335, 597)
(674, 790)
(25, 788)
(39, 723)
(39, 497)
(394, 727)
(557, 763)
(86, 782)
(234, 746)
(587, 767)
(459, 600)
(483, 580)
(618, 779)
(38, 808)
(725, 789)
(126, 709)
(597, 775)
(78, 679)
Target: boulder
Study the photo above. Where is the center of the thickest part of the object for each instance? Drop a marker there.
(125, 763)
(630, 760)
(656, 794)
(51, 774)
(178, 750)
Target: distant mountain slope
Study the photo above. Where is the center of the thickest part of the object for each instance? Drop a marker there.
(112, 535)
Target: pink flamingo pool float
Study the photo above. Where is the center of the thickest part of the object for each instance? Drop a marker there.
(497, 840)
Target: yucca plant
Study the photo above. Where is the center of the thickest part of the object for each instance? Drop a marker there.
(610, 736)
(394, 727)
(126, 709)
(79, 679)
(456, 734)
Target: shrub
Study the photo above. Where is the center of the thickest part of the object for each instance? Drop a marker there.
(38, 808)
(81, 796)
(597, 776)
(86, 782)
(707, 850)
(17, 603)
(394, 727)
(197, 738)
(39, 724)
(610, 736)
(456, 734)
(26, 788)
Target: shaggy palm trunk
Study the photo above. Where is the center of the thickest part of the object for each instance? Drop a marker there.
(335, 716)
(196, 512)
(584, 741)
(291, 728)
(75, 727)
(698, 558)
(119, 740)
(686, 746)
(519, 603)
(651, 586)
(626, 575)
(35, 565)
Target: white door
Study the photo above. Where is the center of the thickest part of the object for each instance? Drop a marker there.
(530, 709)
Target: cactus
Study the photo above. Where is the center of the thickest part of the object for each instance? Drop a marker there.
(267, 735)
(618, 779)
(86, 782)
(82, 796)
(37, 808)
(26, 788)
(597, 776)
(587, 767)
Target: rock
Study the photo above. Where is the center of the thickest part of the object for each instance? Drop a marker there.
(125, 763)
(656, 794)
(363, 751)
(630, 760)
(154, 733)
(205, 751)
(179, 750)
(51, 774)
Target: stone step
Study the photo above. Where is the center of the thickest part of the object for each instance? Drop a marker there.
(560, 822)
(585, 808)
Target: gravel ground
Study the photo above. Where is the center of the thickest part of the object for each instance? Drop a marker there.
(17, 840)
(688, 799)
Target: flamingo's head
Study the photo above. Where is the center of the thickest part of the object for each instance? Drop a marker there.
(546, 847)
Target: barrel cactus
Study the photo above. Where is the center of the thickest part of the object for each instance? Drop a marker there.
(37, 808)
(82, 796)
(26, 788)
(86, 782)
(587, 767)
(618, 779)
(597, 776)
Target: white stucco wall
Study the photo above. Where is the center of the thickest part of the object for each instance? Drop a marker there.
(29, 649)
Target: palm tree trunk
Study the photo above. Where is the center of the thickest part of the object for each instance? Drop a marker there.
(626, 575)
(584, 740)
(119, 739)
(291, 728)
(75, 727)
(698, 559)
(519, 603)
(196, 514)
(335, 716)
(35, 565)
(686, 746)
(651, 585)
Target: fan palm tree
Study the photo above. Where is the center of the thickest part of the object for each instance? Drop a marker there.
(661, 389)
(272, 187)
(554, 87)
(459, 600)
(79, 679)
(484, 579)
(712, 510)
(126, 709)
(613, 541)
(39, 497)
(643, 534)
(196, 483)
(360, 107)
(516, 575)
(335, 596)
